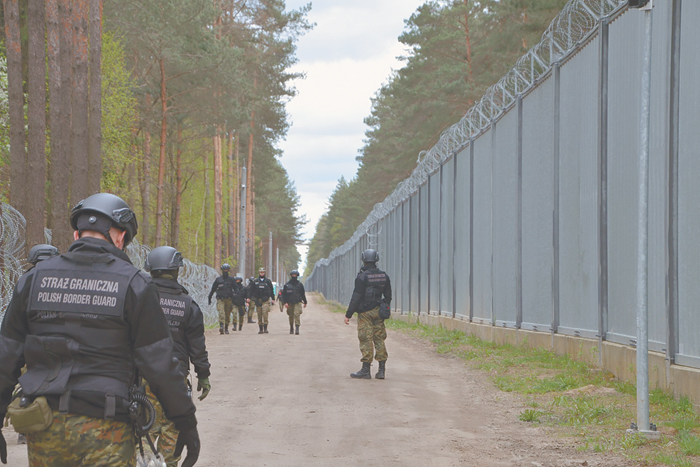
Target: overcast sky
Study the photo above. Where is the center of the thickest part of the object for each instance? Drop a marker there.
(347, 56)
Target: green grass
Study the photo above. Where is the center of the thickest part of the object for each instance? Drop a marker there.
(597, 415)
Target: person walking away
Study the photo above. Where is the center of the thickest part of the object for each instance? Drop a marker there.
(372, 288)
(293, 295)
(83, 322)
(239, 297)
(187, 328)
(223, 286)
(262, 294)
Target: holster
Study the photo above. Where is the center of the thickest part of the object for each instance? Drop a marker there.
(34, 417)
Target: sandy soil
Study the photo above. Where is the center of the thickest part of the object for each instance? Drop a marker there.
(285, 400)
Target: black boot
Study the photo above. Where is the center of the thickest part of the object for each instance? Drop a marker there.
(291, 329)
(364, 373)
(380, 373)
(240, 325)
(297, 331)
(265, 328)
(226, 329)
(250, 319)
(221, 328)
(260, 331)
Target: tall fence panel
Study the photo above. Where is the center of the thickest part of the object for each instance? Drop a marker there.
(524, 214)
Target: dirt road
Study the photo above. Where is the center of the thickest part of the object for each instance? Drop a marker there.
(284, 400)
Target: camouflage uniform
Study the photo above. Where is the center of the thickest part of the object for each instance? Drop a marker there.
(294, 311)
(372, 334)
(225, 308)
(165, 431)
(76, 440)
(263, 309)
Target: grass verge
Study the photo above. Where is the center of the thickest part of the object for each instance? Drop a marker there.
(575, 398)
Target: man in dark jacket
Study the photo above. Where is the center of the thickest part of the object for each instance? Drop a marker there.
(262, 294)
(372, 288)
(223, 286)
(187, 327)
(293, 295)
(239, 297)
(82, 322)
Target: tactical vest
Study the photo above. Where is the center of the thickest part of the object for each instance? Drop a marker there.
(291, 292)
(177, 307)
(377, 281)
(260, 288)
(238, 294)
(78, 338)
(225, 287)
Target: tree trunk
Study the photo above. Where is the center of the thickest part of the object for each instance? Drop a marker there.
(467, 14)
(238, 196)
(218, 208)
(178, 189)
(36, 113)
(15, 95)
(80, 183)
(161, 165)
(131, 169)
(95, 99)
(59, 173)
(250, 228)
(231, 199)
(146, 186)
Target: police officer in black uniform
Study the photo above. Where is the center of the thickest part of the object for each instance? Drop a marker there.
(239, 297)
(223, 286)
(187, 327)
(372, 288)
(293, 295)
(262, 292)
(83, 322)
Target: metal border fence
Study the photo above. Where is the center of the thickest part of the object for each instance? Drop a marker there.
(524, 214)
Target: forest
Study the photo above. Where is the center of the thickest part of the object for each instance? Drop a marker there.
(162, 102)
(455, 50)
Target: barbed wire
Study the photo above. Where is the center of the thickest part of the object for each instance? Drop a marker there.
(197, 278)
(572, 27)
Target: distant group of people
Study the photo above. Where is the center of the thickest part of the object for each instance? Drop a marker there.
(232, 297)
(102, 351)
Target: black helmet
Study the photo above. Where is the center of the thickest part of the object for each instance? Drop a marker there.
(107, 206)
(238, 279)
(41, 252)
(225, 267)
(163, 258)
(294, 273)
(370, 256)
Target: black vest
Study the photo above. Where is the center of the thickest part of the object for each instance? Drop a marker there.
(238, 294)
(225, 286)
(78, 338)
(291, 293)
(376, 281)
(261, 289)
(177, 307)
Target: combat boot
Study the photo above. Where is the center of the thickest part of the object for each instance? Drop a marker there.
(265, 328)
(240, 325)
(261, 329)
(364, 373)
(226, 329)
(291, 329)
(250, 319)
(380, 373)
(297, 331)
(221, 328)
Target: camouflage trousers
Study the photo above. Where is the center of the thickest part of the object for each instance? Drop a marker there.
(294, 312)
(163, 433)
(263, 309)
(79, 441)
(372, 333)
(225, 308)
(240, 309)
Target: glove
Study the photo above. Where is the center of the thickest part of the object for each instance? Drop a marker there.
(204, 386)
(210, 300)
(3, 446)
(189, 438)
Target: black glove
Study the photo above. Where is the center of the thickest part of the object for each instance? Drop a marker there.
(189, 438)
(210, 300)
(3, 446)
